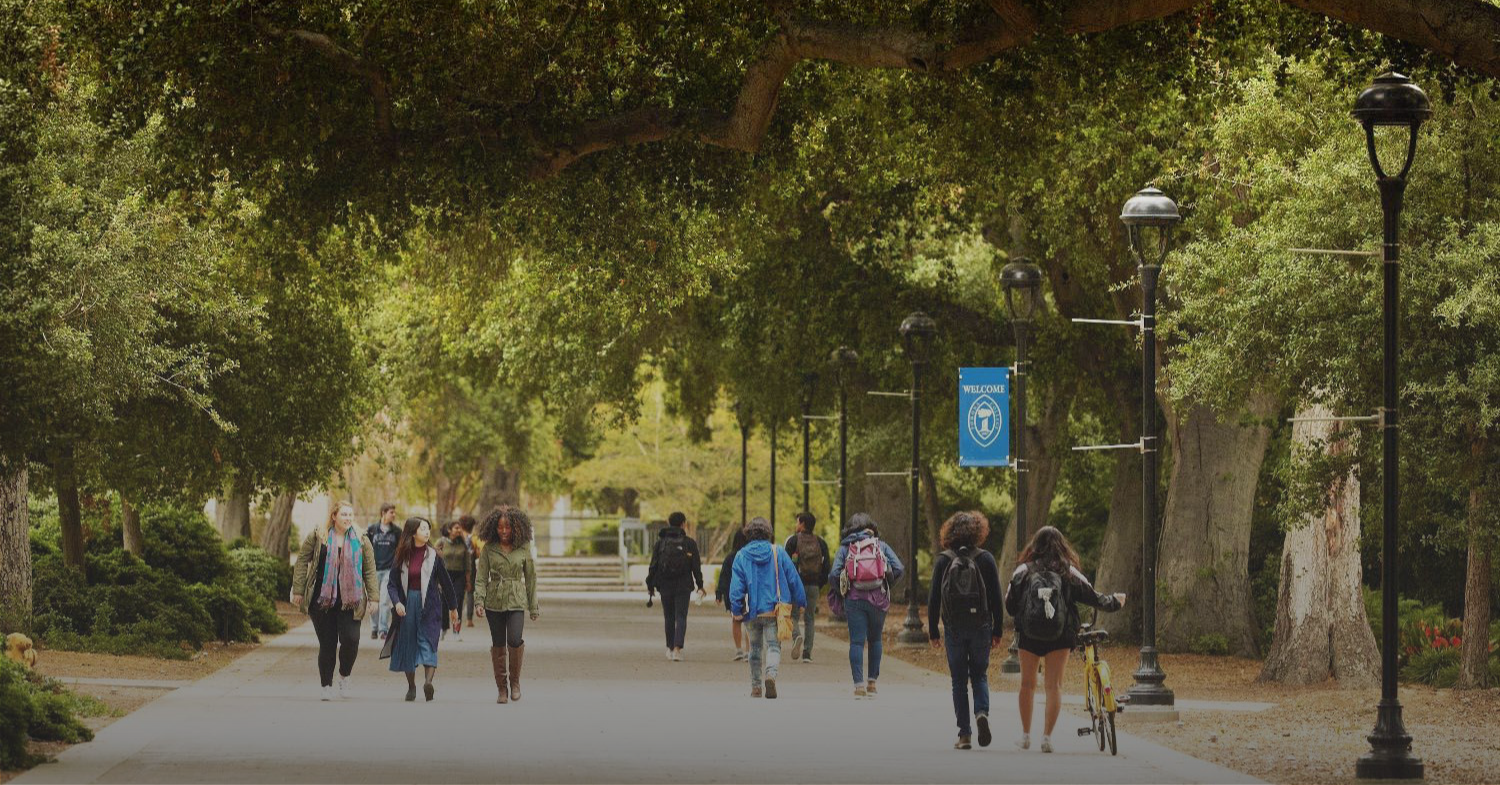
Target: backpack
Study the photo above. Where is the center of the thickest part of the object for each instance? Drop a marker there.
(676, 558)
(810, 566)
(865, 564)
(1044, 611)
(966, 604)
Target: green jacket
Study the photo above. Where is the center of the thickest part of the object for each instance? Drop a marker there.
(455, 556)
(305, 576)
(505, 581)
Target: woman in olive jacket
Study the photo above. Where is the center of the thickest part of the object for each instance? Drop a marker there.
(339, 551)
(505, 592)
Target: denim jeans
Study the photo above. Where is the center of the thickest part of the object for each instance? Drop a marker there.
(762, 632)
(382, 621)
(968, 664)
(803, 619)
(866, 623)
(674, 610)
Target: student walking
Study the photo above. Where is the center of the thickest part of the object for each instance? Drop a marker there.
(383, 538)
(1043, 597)
(334, 584)
(863, 570)
(425, 600)
(965, 594)
(676, 567)
(470, 527)
(453, 547)
(505, 592)
(762, 578)
(810, 553)
(721, 594)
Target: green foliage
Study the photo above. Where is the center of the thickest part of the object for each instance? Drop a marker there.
(37, 707)
(265, 575)
(1433, 667)
(182, 541)
(1212, 644)
(593, 540)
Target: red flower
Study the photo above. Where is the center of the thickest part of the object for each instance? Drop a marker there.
(1439, 642)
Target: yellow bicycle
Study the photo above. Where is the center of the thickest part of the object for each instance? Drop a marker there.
(1099, 693)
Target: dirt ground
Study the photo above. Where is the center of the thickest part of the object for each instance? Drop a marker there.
(1314, 735)
(123, 700)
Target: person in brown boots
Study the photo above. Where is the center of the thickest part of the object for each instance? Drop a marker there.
(505, 593)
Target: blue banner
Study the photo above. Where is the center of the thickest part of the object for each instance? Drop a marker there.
(983, 416)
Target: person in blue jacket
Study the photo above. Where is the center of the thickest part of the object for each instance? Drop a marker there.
(865, 605)
(763, 575)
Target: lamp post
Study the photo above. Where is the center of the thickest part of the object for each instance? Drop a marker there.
(1148, 209)
(1391, 101)
(917, 332)
(844, 360)
(809, 383)
(742, 414)
(773, 480)
(1023, 288)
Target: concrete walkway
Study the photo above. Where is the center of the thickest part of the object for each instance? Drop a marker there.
(601, 704)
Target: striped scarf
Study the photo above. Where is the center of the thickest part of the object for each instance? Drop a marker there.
(340, 573)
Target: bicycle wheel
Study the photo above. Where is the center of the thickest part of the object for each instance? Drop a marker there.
(1098, 714)
(1109, 719)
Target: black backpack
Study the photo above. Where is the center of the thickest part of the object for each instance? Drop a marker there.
(676, 558)
(1044, 607)
(810, 566)
(966, 604)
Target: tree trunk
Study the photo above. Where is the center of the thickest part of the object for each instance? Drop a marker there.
(279, 526)
(15, 549)
(232, 513)
(499, 485)
(887, 502)
(130, 527)
(1044, 454)
(69, 514)
(934, 512)
(1121, 552)
(1204, 554)
(1473, 669)
(1321, 629)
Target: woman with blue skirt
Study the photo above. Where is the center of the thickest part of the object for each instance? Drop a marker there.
(423, 596)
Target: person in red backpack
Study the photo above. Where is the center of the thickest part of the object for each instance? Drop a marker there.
(810, 553)
(863, 570)
(1043, 598)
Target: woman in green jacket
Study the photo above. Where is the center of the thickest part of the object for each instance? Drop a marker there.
(505, 592)
(334, 584)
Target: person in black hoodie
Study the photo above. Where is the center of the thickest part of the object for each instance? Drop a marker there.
(971, 617)
(721, 593)
(676, 566)
(810, 553)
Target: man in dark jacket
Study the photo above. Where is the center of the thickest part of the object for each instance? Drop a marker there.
(810, 553)
(383, 538)
(676, 566)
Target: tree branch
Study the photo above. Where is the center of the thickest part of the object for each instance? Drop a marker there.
(374, 77)
(1465, 31)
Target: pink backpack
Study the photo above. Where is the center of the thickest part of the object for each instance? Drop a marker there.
(865, 564)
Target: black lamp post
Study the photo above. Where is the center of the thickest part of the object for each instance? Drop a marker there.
(809, 384)
(742, 414)
(917, 331)
(1148, 209)
(1023, 289)
(844, 359)
(1392, 101)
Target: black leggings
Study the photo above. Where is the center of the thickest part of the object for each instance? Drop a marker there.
(338, 637)
(674, 610)
(506, 628)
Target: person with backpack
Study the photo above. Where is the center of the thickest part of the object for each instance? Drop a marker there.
(721, 594)
(676, 567)
(762, 581)
(810, 553)
(863, 570)
(1043, 598)
(965, 594)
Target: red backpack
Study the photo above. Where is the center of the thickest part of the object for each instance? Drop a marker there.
(865, 564)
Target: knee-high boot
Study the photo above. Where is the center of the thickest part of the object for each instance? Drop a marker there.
(517, 654)
(497, 661)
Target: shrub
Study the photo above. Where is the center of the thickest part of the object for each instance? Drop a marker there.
(34, 706)
(229, 611)
(181, 541)
(15, 716)
(1213, 644)
(264, 574)
(1434, 667)
(121, 606)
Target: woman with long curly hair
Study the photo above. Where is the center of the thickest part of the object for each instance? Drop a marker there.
(505, 592)
(965, 594)
(1047, 568)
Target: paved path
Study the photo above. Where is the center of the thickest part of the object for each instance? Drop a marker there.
(601, 704)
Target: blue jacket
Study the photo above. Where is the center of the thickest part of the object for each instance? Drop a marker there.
(752, 584)
(893, 567)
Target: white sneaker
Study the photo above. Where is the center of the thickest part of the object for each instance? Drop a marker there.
(1046, 744)
(1024, 742)
(460, 635)
(670, 658)
(739, 655)
(677, 656)
(327, 693)
(345, 690)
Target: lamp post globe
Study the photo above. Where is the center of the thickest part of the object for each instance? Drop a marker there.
(1149, 209)
(1392, 101)
(917, 331)
(1022, 282)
